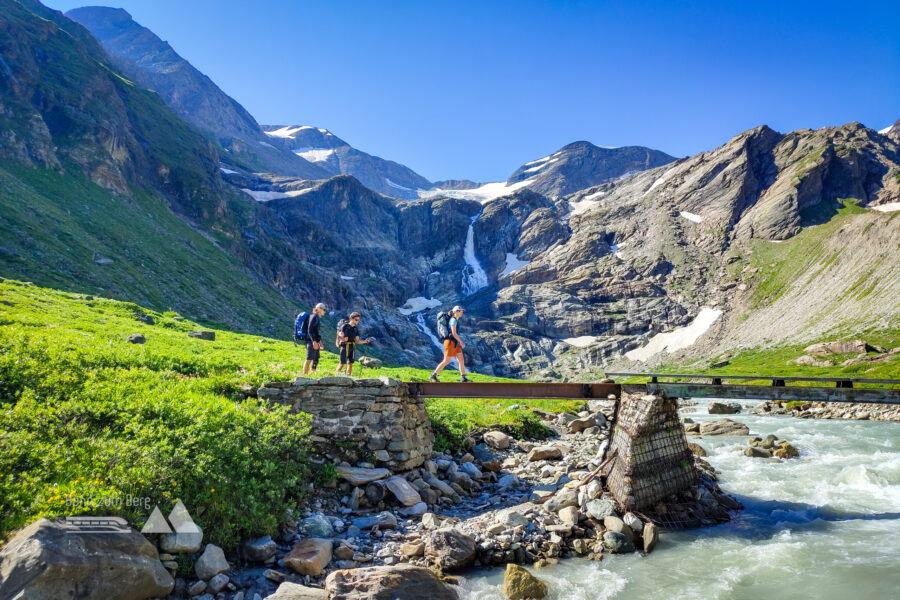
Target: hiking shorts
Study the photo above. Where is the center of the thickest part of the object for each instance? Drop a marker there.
(312, 354)
(348, 349)
(452, 349)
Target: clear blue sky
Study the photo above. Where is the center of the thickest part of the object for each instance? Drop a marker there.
(474, 89)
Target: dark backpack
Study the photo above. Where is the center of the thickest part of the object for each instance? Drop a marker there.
(340, 329)
(301, 327)
(443, 326)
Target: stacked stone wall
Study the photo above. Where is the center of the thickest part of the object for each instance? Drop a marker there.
(359, 419)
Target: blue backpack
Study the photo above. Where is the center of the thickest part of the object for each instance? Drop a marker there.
(301, 327)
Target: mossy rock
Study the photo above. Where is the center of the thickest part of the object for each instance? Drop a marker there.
(519, 584)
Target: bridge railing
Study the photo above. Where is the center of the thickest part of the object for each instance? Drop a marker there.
(777, 380)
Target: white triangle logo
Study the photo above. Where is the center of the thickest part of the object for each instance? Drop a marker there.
(181, 520)
(156, 523)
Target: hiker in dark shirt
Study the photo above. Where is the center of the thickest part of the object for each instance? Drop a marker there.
(314, 340)
(348, 338)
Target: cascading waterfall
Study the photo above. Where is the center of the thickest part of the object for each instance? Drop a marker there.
(473, 276)
(421, 326)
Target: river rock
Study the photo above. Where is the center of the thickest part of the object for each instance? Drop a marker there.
(359, 476)
(569, 515)
(440, 486)
(309, 557)
(497, 440)
(399, 582)
(579, 425)
(519, 584)
(545, 453)
(413, 549)
(757, 452)
(450, 549)
(405, 493)
(633, 523)
(430, 521)
(786, 451)
(724, 408)
(317, 525)
(482, 454)
(295, 591)
(211, 563)
(471, 470)
(696, 449)
(259, 549)
(217, 583)
(418, 509)
(617, 543)
(600, 508)
(182, 542)
(650, 537)
(563, 498)
(384, 520)
(46, 561)
(723, 427)
(612, 523)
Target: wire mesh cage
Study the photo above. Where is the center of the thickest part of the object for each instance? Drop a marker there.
(652, 458)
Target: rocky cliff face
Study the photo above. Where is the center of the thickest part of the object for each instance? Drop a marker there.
(144, 58)
(333, 154)
(643, 254)
(581, 165)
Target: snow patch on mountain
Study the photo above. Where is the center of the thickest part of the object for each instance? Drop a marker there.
(227, 171)
(889, 207)
(264, 196)
(314, 154)
(418, 304)
(679, 338)
(484, 193)
(691, 216)
(513, 264)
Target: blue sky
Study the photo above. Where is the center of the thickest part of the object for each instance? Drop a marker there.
(474, 89)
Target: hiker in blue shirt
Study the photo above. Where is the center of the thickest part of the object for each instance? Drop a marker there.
(453, 346)
(313, 340)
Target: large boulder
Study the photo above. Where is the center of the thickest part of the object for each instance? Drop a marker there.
(360, 476)
(295, 591)
(519, 584)
(400, 582)
(496, 439)
(403, 491)
(182, 542)
(259, 549)
(723, 427)
(849, 347)
(545, 453)
(47, 561)
(317, 525)
(309, 557)
(724, 408)
(600, 508)
(617, 543)
(450, 549)
(203, 334)
(211, 562)
(650, 537)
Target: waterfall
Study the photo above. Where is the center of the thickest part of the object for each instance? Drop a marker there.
(473, 276)
(421, 326)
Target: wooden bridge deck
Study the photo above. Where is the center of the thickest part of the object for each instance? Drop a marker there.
(842, 389)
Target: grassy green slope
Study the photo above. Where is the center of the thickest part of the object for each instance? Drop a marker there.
(86, 415)
(55, 227)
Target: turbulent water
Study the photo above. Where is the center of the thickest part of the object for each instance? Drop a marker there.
(826, 525)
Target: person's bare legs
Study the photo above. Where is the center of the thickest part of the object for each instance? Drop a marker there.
(442, 364)
(306, 367)
(462, 364)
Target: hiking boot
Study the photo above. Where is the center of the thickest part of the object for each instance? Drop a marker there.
(434, 378)
(464, 380)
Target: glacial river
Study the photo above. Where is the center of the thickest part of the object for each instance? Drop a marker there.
(824, 526)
